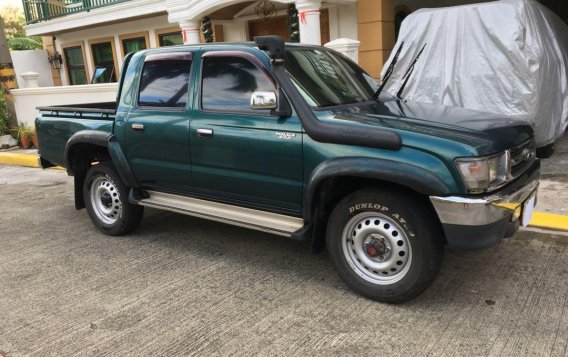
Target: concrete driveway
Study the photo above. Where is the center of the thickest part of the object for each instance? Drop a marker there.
(181, 286)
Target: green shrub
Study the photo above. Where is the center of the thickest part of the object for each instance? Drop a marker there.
(4, 114)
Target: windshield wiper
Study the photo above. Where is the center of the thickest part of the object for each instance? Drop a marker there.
(389, 71)
(409, 72)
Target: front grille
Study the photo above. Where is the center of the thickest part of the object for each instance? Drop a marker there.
(521, 157)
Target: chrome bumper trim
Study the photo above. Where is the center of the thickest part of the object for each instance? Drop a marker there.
(481, 211)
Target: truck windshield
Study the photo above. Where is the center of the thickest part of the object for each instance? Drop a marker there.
(327, 79)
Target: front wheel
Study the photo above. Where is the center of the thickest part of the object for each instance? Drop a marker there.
(106, 200)
(386, 245)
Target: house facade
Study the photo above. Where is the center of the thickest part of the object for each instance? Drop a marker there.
(90, 38)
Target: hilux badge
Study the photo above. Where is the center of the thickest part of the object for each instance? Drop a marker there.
(285, 135)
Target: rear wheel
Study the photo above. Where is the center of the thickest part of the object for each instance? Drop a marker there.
(106, 200)
(386, 246)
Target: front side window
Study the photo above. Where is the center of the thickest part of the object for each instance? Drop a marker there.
(326, 79)
(165, 81)
(228, 83)
(103, 61)
(75, 65)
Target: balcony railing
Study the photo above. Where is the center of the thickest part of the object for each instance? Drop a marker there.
(43, 10)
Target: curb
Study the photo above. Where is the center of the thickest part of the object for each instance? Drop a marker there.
(550, 221)
(26, 160)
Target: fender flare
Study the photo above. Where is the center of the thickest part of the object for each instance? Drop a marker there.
(105, 140)
(413, 177)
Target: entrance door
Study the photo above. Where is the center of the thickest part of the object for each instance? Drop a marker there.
(274, 26)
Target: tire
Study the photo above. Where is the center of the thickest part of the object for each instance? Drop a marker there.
(546, 151)
(102, 186)
(387, 246)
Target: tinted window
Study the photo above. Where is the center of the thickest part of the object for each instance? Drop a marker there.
(327, 79)
(165, 82)
(228, 84)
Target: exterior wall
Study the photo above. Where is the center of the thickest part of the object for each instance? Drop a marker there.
(235, 30)
(49, 46)
(32, 61)
(343, 21)
(342, 24)
(26, 100)
(376, 33)
(115, 31)
(113, 12)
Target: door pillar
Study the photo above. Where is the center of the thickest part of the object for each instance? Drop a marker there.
(309, 19)
(190, 30)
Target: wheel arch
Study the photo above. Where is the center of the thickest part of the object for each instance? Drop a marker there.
(334, 179)
(88, 146)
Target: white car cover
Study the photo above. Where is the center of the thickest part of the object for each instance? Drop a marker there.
(508, 57)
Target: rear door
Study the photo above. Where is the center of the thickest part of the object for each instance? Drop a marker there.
(239, 154)
(157, 126)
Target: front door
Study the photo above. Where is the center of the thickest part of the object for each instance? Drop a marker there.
(157, 126)
(238, 154)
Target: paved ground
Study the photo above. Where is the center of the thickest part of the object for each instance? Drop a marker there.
(182, 286)
(553, 191)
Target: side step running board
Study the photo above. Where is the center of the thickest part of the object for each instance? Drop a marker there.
(274, 223)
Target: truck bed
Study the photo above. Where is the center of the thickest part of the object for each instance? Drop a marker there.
(56, 124)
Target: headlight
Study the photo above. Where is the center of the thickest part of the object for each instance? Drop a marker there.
(484, 173)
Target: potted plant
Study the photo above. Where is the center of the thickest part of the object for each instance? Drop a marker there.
(35, 139)
(25, 133)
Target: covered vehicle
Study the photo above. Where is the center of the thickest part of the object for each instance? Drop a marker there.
(508, 57)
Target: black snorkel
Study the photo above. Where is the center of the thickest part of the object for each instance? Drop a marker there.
(315, 128)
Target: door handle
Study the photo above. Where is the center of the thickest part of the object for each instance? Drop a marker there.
(137, 127)
(204, 133)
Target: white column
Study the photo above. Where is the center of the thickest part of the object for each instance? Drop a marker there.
(347, 46)
(309, 18)
(190, 30)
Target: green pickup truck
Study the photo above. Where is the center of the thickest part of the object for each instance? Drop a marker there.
(294, 140)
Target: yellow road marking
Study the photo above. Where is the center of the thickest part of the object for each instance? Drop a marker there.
(18, 159)
(27, 160)
(549, 220)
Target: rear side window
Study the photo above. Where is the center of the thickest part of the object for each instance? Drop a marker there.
(165, 80)
(228, 84)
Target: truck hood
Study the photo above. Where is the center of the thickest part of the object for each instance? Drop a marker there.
(486, 132)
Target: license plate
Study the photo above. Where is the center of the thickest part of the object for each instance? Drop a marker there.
(528, 208)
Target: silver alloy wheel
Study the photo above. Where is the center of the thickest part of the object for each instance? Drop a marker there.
(376, 248)
(105, 200)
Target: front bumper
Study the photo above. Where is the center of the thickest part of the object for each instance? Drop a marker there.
(479, 222)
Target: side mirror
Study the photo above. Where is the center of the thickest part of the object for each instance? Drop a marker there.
(263, 100)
